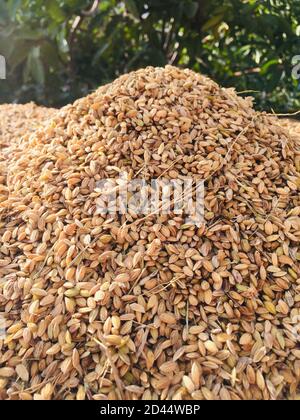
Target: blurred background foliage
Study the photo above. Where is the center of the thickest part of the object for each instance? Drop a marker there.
(59, 50)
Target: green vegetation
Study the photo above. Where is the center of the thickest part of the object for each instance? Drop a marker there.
(59, 50)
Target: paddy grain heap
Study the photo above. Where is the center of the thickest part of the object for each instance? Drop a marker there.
(130, 307)
(293, 126)
(16, 122)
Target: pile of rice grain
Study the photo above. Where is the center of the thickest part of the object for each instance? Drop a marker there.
(130, 307)
(293, 126)
(16, 122)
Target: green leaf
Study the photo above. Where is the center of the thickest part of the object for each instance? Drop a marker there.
(49, 55)
(3, 13)
(213, 22)
(13, 6)
(26, 71)
(28, 34)
(38, 71)
(55, 11)
(264, 69)
(18, 55)
(132, 8)
(34, 67)
(99, 53)
(6, 48)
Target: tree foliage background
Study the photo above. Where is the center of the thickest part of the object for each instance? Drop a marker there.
(59, 50)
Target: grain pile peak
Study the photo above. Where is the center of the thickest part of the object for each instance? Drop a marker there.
(124, 306)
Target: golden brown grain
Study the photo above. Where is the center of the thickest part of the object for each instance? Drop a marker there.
(131, 307)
